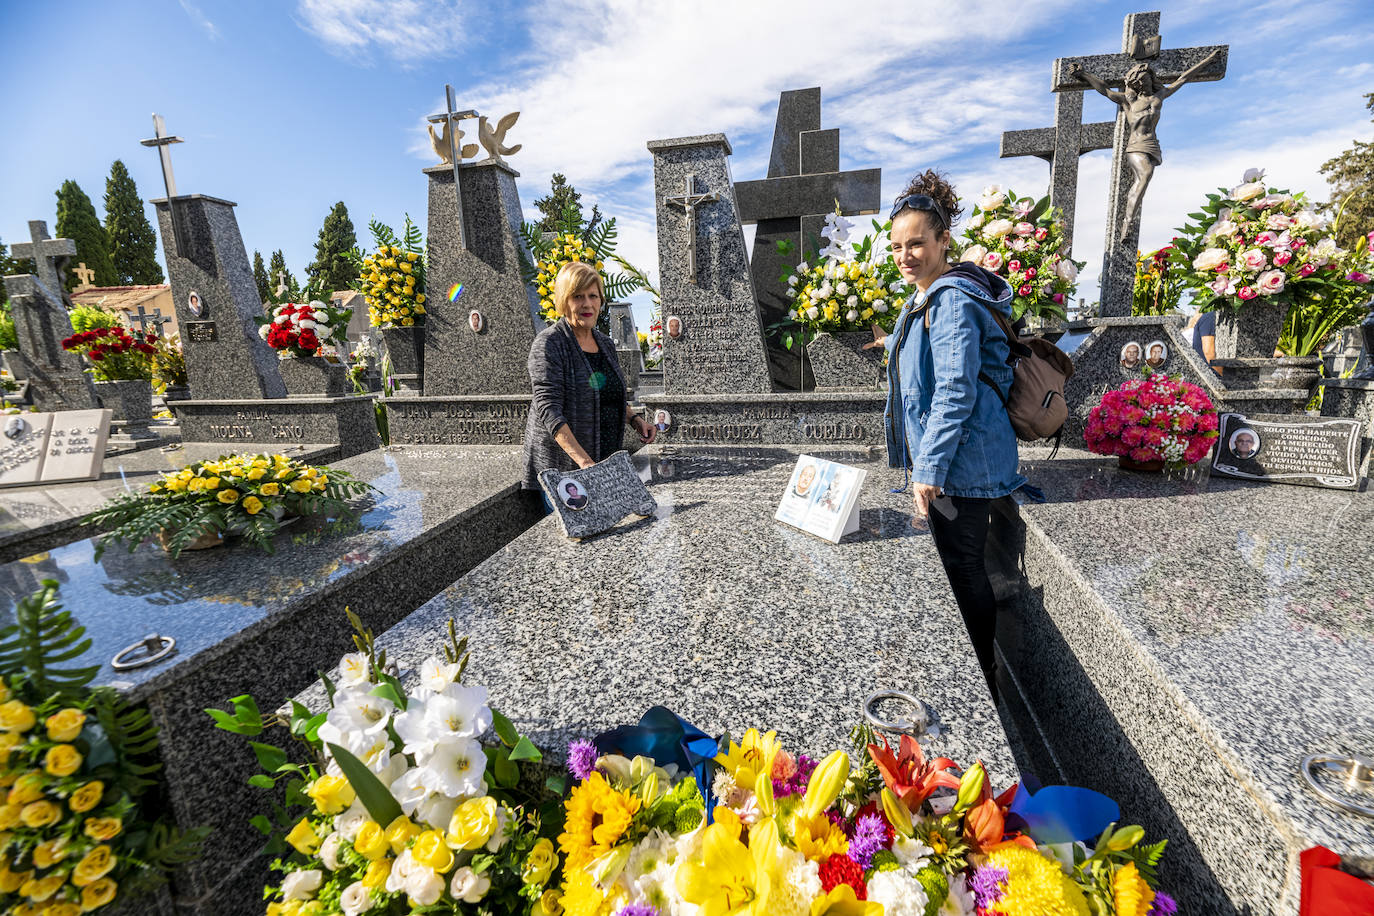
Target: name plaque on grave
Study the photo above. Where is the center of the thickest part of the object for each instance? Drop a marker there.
(200, 331)
(591, 500)
(1295, 450)
(23, 447)
(822, 498)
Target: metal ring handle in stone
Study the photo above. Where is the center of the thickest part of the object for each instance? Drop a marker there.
(1356, 770)
(154, 647)
(920, 725)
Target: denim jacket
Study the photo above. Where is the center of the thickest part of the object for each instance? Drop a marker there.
(944, 424)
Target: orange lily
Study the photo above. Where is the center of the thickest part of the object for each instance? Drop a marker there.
(908, 774)
(986, 822)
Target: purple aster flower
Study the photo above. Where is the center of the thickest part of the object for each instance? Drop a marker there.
(987, 884)
(582, 757)
(1164, 905)
(639, 909)
(870, 836)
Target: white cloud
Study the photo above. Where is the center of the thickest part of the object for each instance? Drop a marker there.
(405, 30)
(200, 19)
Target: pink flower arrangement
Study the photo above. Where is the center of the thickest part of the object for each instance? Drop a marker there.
(1157, 418)
(1022, 241)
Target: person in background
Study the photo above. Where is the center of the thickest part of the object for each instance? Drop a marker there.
(579, 408)
(1203, 328)
(945, 424)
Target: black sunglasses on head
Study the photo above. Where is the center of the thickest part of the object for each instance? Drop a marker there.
(921, 202)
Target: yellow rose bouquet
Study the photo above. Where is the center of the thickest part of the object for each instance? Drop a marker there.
(392, 278)
(248, 495)
(74, 835)
(412, 799)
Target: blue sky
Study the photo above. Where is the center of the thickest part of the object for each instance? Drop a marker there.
(287, 107)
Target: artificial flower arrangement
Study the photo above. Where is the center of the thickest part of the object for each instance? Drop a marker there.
(573, 240)
(648, 832)
(362, 357)
(249, 495)
(400, 808)
(1157, 418)
(75, 830)
(1254, 243)
(1022, 241)
(1158, 285)
(115, 353)
(392, 278)
(847, 285)
(297, 331)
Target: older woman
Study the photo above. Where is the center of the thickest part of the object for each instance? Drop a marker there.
(579, 410)
(945, 423)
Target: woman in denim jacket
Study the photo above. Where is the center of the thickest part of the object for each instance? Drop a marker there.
(945, 426)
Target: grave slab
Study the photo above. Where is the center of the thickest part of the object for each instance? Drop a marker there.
(473, 420)
(273, 423)
(57, 380)
(246, 620)
(714, 609)
(1182, 647)
(43, 516)
(804, 419)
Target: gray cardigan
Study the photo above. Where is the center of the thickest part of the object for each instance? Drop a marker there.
(560, 377)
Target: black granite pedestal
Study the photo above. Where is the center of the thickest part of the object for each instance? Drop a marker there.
(816, 419)
(350, 422)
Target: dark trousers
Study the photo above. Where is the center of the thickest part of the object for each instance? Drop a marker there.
(959, 527)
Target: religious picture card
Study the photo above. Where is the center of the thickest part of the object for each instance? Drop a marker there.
(1300, 450)
(822, 498)
(590, 500)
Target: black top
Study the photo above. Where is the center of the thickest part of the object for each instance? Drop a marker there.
(1206, 327)
(606, 380)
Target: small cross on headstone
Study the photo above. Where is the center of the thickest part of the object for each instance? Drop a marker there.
(451, 117)
(1061, 146)
(84, 276)
(49, 255)
(689, 201)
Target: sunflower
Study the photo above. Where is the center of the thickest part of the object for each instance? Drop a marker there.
(597, 816)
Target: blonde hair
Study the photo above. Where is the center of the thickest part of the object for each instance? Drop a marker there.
(574, 277)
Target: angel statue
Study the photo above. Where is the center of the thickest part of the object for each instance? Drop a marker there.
(1142, 102)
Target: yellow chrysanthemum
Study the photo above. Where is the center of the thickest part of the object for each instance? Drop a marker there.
(817, 838)
(581, 896)
(1131, 894)
(752, 756)
(597, 815)
(1035, 885)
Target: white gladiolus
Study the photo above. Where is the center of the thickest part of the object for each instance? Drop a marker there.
(353, 669)
(435, 675)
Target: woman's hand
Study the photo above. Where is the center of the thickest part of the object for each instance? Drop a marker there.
(923, 494)
(646, 430)
(879, 338)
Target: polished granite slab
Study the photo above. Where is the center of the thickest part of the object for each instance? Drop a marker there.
(1183, 645)
(721, 613)
(43, 516)
(249, 622)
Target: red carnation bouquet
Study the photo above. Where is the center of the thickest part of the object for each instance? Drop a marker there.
(116, 354)
(1156, 418)
(302, 330)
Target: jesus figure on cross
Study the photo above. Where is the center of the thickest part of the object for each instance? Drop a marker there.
(1142, 103)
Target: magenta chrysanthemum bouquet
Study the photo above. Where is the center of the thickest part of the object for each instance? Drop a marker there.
(1157, 418)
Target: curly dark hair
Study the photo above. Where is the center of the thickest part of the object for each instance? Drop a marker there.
(934, 184)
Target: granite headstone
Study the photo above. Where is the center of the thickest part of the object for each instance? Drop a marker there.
(708, 296)
(57, 378)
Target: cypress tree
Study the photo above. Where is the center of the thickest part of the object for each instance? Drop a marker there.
(1351, 176)
(260, 277)
(275, 266)
(133, 244)
(562, 195)
(333, 267)
(76, 220)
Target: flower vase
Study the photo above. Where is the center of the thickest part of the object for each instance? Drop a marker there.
(130, 399)
(313, 376)
(406, 347)
(1253, 330)
(1147, 467)
(839, 361)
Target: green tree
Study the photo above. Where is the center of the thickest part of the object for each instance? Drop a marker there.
(133, 244)
(1351, 177)
(333, 267)
(554, 206)
(275, 267)
(260, 277)
(76, 220)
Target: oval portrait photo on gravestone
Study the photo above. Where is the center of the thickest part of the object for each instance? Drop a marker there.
(1131, 355)
(1244, 443)
(571, 495)
(16, 427)
(674, 326)
(1156, 354)
(662, 419)
(476, 321)
(194, 304)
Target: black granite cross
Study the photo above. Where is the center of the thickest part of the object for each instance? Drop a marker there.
(144, 318)
(162, 142)
(1140, 42)
(1060, 146)
(49, 255)
(451, 117)
(689, 201)
(804, 184)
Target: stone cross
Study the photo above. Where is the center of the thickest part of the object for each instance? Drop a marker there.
(689, 201)
(84, 275)
(145, 318)
(450, 118)
(49, 255)
(1060, 146)
(804, 183)
(281, 284)
(1140, 42)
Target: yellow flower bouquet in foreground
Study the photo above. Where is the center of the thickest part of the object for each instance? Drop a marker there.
(235, 494)
(76, 763)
